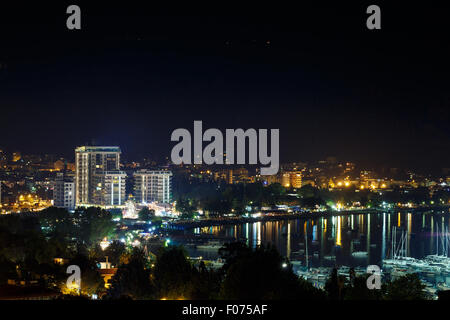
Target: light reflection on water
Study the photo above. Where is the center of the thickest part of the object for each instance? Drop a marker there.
(337, 236)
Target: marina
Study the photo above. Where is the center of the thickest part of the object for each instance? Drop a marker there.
(399, 243)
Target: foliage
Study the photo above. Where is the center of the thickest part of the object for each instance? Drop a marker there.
(145, 214)
(262, 274)
(173, 273)
(408, 287)
(132, 280)
(91, 281)
(94, 224)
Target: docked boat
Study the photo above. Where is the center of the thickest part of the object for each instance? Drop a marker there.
(360, 254)
(344, 271)
(214, 264)
(210, 246)
(296, 262)
(442, 286)
(316, 276)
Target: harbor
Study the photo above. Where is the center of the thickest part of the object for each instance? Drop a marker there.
(399, 243)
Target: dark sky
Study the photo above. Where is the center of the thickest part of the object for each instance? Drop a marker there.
(133, 74)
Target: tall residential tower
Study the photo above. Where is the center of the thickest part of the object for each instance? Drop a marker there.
(64, 192)
(153, 185)
(98, 179)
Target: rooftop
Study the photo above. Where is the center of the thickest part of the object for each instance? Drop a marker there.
(98, 149)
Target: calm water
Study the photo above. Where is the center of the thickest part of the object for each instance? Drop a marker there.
(339, 236)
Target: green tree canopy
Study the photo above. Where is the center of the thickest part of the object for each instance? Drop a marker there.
(173, 273)
(263, 274)
(132, 279)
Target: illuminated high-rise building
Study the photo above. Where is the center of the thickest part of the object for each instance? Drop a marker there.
(110, 190)
(153, 185)
(95, 168)
(64, 192)
(296, 179)
(286, 179)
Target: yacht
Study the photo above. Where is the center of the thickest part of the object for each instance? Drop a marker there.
(210, 246)
(360, 254)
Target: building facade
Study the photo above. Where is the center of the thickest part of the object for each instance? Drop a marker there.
(96, 171)
(110, 190)
(153, 185)
(296, 179)
(64, 192)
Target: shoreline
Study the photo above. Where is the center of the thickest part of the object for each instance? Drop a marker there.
(186, 225)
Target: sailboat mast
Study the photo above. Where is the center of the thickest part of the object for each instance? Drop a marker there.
(405, 243)
(437, 239)
(306, 244)
(402, 244)
(444, 241)
(392, 243)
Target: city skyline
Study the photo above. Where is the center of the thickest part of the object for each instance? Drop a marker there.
(61, 160)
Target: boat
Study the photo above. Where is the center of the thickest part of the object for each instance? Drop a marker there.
(296, 263)
(316, 276)
(215, 264)
(440, 259)
(359, 254)
(210, 246)
(344, 271)
(398, 252)
(360, 271)
(190, 245)
(442, 286)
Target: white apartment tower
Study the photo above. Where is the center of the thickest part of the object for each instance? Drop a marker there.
(153, 185)
(98, 179)
(112, 191)
(64, 192)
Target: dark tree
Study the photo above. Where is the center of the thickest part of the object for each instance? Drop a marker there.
(145, 214)
(205, 283)
(262, 274)
(334, 286)
(132, 280)
(95, 224)
(408, 287)
(232, 252)
(173, 274)
(357, 290)
(91, 281)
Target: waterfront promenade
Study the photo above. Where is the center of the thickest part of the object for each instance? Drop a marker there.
(276, 216)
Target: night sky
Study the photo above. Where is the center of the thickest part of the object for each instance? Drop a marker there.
(133, 74)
